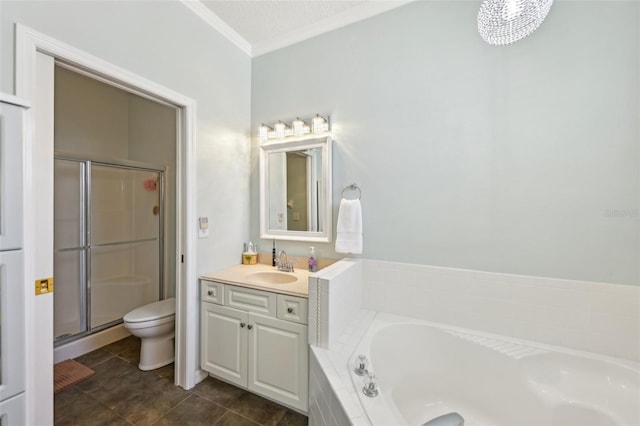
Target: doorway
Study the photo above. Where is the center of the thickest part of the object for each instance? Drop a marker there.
(114, 203)
(36, 54)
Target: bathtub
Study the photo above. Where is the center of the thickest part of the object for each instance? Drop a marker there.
(424, 370)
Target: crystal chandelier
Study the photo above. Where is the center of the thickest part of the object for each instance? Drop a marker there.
(505, 21)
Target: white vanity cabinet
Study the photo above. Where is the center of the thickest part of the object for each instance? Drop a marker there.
(245, 340)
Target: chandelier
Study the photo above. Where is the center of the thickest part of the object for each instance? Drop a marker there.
(502, 22)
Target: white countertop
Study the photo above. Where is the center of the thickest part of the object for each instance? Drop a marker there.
(237, 275)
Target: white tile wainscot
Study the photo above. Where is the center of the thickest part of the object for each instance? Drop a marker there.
(333, 400)
(595, 317)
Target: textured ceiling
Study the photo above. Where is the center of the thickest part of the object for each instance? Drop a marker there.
(260, 20)
(260, 26)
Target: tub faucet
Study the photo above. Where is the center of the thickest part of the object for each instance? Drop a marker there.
(361, 366)
(370, 386)
(451, 419)
(284, 264)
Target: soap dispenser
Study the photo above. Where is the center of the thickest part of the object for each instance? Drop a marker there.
(313, 263)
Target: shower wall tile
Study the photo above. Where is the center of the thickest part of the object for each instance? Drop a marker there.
(596, 317)
(335, 296)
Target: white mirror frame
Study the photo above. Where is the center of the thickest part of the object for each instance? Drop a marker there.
(307, 142)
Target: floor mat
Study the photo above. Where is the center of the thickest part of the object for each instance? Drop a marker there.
(68, 373)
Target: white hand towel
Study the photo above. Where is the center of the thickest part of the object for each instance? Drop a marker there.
(349, 227)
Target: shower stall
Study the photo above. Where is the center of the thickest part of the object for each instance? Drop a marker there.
(108, 243)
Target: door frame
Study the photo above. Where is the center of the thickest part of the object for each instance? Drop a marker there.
(28, 43)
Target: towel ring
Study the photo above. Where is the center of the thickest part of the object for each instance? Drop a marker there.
(352, 187)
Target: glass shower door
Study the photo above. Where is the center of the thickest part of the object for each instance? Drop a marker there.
(125, 240)
(70, 248)
(108, 244)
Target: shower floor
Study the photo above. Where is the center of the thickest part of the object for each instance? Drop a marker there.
(120, 394)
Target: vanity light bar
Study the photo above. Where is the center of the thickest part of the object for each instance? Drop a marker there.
(298, 127)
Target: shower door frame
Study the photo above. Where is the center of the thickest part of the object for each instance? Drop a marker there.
(85, 237)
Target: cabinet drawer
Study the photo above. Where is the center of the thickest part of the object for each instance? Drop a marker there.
(250, 300)
(212, 292)
(293, 308)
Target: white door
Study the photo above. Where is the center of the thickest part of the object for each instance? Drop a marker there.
(223, 342)
(279, 360)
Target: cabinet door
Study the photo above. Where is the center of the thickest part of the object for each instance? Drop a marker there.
(12, 317)
(12, 411)
(223, 342)
(11, 141)
(279, 360)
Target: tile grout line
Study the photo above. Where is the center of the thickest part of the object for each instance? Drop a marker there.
(161, 416)
(240, 415)
(229, 409)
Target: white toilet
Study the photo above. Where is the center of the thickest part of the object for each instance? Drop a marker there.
(154, 324)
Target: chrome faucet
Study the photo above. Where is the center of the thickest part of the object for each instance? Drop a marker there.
(284, 264)
(370, 385)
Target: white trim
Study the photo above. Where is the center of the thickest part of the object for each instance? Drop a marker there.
(14, 100)
(349, 16)
(28, 42)
(218, 24)
(38, 245)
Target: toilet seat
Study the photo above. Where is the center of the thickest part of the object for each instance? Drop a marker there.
(153, 312)
(150, 323)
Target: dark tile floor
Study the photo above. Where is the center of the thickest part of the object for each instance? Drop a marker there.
(120, 394)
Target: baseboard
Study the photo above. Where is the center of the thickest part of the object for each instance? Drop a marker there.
(199, 376)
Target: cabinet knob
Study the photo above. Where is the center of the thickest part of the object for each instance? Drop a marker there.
(290, 310)
(249, 326)
(242, 324)
(210, 292)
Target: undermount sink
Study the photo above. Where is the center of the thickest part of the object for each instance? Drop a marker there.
(271, 277)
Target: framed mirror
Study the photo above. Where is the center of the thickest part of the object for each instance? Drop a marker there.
(295, 189)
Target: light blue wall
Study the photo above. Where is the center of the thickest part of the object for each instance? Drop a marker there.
(163, 41)
(518, 159)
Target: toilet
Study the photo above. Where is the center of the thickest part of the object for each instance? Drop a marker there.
(154, 324)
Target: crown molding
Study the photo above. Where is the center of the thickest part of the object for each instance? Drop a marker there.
(218, 24)
(345, 18)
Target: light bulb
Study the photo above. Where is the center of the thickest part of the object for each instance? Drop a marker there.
(263, 131)
(299, 127)
(280, 128)
(319, 124)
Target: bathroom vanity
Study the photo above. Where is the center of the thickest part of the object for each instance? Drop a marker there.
(254, 333)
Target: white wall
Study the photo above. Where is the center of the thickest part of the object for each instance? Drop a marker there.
(520, 159)
(166, 43)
